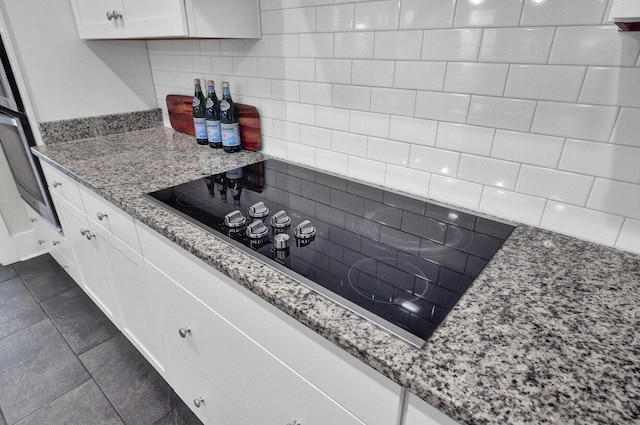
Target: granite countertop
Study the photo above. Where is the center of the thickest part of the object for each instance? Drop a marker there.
(548, 333)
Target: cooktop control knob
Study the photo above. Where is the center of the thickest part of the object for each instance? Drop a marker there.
(234, 219)
(258, 210)
(280, 219)
(281, 241)
(257, 230)
(304, 230)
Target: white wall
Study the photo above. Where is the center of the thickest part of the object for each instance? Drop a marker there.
(70, 78)
(529, 110)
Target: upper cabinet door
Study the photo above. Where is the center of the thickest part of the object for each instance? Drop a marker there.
(130, 18)
(167, 18)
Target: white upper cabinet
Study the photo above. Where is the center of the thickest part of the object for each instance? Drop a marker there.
(625, 11)
(99, 19)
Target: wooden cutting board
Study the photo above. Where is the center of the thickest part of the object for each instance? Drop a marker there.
(181, 119)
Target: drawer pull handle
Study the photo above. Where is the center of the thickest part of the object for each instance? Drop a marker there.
(101, 216)
(55, 243)
(184, 332)
(55, 184)
(33, 220)
(198, 402)
(41, 242)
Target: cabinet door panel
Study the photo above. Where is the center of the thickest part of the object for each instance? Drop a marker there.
(154, 18)
(91, 18)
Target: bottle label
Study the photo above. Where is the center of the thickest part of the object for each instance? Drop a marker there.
(200, 127)
(209, 103)
(213, 131)
(196, 101)
(230, 134)
(224, 105)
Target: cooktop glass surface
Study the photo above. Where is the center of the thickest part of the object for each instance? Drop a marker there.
(383, 254)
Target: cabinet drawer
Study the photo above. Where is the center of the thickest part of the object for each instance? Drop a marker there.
(267, 391)
(62, 184)
(110, 218)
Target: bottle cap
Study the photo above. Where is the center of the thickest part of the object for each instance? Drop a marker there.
(210, 83)
(196, 81)
(225, 84)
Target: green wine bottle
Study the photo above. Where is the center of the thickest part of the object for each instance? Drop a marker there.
(199, 122)
(229, 122)
(212, 116)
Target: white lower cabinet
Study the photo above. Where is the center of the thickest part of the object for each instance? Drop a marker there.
(265, 390)
(419, 412)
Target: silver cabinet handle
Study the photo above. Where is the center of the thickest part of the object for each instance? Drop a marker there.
(198, 402)
(55, 184)
(114, 14)
(89, 235)
(41, 242)
(184, 332)
(33, 220)
(101, 216)
(83, 231)
(295, 423)
(55, 243)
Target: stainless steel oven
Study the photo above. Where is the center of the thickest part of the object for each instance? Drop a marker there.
(16, 139)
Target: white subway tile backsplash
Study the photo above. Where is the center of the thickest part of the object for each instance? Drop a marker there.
(371, 124)
(270, 67)
(527, 148)
(222, 65)
(164, 62)
(487, 13)
(434, 160)
(500, 112)
(333, 162)
(366, 169)
(377, 15)
(397, 45)
(270, 108)
(334, 118)
(421, 14)
(256, 88)
(488, 171)
(299, 20)
(413, 130)
(612, 86)
(349, 143)
(315, 136)
(316, 93)
(301, 69)
(274, 147)
(594, 45)
(545, 82)
(588, 122)
(284, 45)
(442, 106)
(272, 22)
(602, 160)
(553, 184)
(476, 78)
(335, 18)
(353, 45)
(457, 192)
(451, 44)
(393, 101)
(582, 222)
(318, 45)
(333, 71)
(516, 45)
(250, 47)
(419, 75)
(244, 66)
(627, 128)
(615, 197)
(301, 113)
(465, 138)
(373, 73)
(629, 238)
(515, 206)
(286, 131)
(351, 97)
(228, 47)
(388, 151)
(302, 154)
(407, 180)
(285, 89)
(564, 12)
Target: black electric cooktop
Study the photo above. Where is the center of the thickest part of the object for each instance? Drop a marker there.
(383, 255)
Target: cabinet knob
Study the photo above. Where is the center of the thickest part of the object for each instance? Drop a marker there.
(55, 243)
(114, 14)
(101, 216)
(33, 220)
(295, 423)
(55, 184)
(89, 235)
(83, 231)
(41, 242)
(184, 332)
(198, 402)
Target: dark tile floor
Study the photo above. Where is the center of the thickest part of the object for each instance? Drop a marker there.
(62, 362)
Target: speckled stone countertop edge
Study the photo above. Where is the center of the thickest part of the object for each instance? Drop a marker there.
(428, 372)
